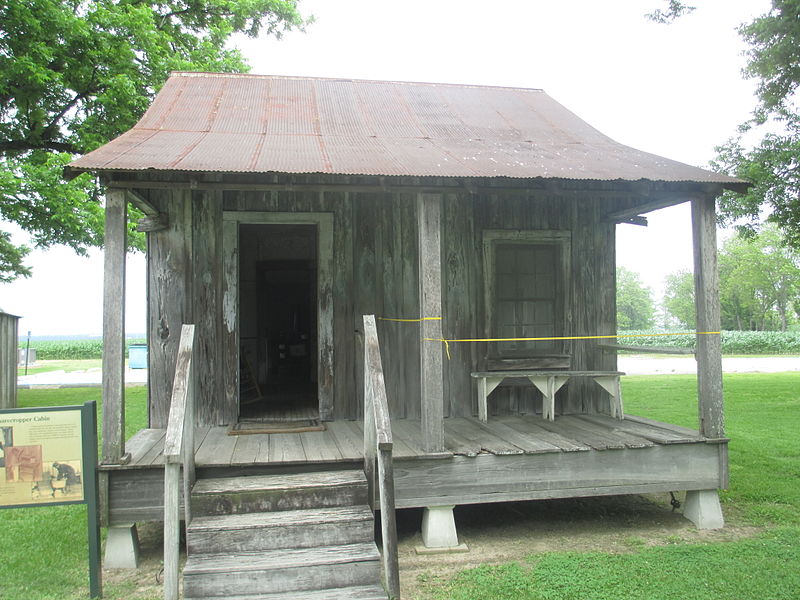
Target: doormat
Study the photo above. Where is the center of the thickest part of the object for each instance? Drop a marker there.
(254, 427)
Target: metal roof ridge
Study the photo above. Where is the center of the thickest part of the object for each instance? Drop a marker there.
(211, 74)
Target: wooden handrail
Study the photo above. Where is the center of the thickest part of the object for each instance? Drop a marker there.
(178, 452)
(378, 464)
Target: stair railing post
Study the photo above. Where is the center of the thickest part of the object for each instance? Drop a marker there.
(378, 453)
(178, 451)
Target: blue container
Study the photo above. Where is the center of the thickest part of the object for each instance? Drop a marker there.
(137, 356)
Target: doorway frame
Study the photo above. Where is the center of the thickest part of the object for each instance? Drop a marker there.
(325, 298)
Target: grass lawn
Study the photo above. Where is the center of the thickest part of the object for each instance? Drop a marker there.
(46, 556)
(45, 548)
(763, 421)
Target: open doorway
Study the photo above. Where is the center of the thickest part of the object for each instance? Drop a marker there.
(278, 316)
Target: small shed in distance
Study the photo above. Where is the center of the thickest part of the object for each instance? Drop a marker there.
(8, 359)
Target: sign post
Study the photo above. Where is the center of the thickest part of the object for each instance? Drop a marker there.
(48, 457)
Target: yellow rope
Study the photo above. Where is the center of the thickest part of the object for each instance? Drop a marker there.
(543, 339)
(410, 320)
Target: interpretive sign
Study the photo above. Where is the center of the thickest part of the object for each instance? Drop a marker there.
(48, 456)
(41, 457)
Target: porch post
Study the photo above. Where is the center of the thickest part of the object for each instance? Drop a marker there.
(709, 347)
(116, 228)
(702, 507)
(430, 305)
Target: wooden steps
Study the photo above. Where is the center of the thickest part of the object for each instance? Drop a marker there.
(361, 592)
(274, 537)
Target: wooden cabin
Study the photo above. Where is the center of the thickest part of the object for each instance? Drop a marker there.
(281, 210)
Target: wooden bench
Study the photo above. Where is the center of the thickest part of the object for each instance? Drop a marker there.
(548, 382)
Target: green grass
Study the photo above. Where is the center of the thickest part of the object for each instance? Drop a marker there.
(46, 550)
(45, 554)
(763, 421)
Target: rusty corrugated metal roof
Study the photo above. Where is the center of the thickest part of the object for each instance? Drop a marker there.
(257, 124)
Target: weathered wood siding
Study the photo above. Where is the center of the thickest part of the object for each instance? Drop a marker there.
(375, 266)
(8, 360)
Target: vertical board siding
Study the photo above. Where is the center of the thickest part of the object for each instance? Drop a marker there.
(8, 360)
(375, 271)
(169, 276)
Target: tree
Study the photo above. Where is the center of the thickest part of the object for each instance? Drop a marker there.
(773, 164)
(759, 281)
(759, 284)
(635, 308)
(76, 73)
(679, 298)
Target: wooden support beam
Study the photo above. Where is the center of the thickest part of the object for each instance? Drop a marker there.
(116, 231)
(709, 347)
(153, 219)
(662, 201)
(429, 209)
(142, 203)
(637, 220)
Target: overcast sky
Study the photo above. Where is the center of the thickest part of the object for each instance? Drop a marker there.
(676, 91)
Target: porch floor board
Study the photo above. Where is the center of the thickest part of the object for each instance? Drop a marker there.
(342, 441)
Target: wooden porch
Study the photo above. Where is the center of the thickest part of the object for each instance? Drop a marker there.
(508, 458)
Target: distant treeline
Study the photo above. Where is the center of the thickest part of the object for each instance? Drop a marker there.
(73, 349)
(733, 342)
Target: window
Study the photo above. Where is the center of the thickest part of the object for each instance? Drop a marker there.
(526, 295)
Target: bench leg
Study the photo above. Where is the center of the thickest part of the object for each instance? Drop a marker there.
(611, 385)
(549, 385)
(486, 386)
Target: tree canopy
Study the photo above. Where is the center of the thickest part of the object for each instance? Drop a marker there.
(75, 74)
(635, 308)
(773, 163)
(759, 284)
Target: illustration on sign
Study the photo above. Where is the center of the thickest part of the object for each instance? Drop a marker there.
(40, 457)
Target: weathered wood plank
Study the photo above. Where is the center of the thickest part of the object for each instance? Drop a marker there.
(207, 284)
(319, 446)
(349, 443)
(595, 439)
(230, 316)
(685, 433)
(430, 293)
(116, 232)
(286, 448)
(654, 434)
(248, 448)
(182, 400)
(707, 309)
(155, 455)
(169, 275)
(217, 448)
(8, 364)
(140, 445)
(458, 444)
(528, 443)
(532, 426)
(616, 434)
(172, 531)
(489, 442)
(490, 478)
